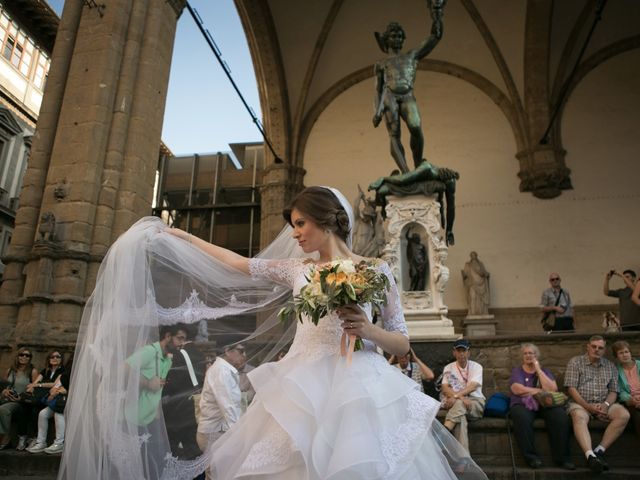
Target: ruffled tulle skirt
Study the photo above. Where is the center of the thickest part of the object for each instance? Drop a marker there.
(323, 419)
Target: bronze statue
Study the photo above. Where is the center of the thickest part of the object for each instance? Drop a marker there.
(417, 259)
(426, 179)
(395, 76)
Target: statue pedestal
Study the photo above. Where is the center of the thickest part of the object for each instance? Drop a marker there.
(424, 311)
(480, 326)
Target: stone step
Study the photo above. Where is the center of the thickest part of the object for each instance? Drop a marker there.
(489, 443)
(28, 464)
(506, 473)
(21, 465)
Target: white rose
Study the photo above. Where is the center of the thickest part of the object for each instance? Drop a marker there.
(346, 266)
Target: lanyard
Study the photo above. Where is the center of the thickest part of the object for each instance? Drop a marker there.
(465, 378)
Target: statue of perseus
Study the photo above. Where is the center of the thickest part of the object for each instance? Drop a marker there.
(395, 77)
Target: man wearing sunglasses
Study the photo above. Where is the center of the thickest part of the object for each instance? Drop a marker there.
(557, 301)
(221, 399)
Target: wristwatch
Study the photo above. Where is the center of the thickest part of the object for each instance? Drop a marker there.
(607, 404)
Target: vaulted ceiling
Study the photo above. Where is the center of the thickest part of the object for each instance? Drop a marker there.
(518, 52)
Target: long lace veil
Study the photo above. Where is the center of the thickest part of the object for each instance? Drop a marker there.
(147, 279)
(150, 278)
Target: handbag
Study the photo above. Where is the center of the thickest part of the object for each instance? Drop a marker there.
(58, 403)
(547, 321)
(497, 405)
(549, 318)
(37, 397)
(548, 399)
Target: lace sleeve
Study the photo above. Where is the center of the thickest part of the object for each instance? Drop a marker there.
(392, 314)
(279, 271)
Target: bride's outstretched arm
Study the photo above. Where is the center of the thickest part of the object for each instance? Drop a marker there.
(227, 257)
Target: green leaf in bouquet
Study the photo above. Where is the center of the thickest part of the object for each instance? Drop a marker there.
(350, 291)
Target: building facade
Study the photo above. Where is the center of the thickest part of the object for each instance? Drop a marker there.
(214, 196)
(27, 30)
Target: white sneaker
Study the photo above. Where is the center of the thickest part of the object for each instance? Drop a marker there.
(54, 448)
(37, 448)
(22, 442)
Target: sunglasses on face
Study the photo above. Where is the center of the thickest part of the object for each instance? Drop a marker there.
(28, 355)
(553, 279)
(55, 356)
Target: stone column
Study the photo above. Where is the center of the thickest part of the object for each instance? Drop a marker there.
(280, 183)
(543, 171)
(93, 162)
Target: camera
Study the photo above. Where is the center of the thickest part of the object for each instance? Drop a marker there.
(611, 272)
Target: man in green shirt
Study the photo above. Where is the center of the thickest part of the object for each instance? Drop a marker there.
(152, 363)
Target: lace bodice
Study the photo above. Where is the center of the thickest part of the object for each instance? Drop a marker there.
(324, 339)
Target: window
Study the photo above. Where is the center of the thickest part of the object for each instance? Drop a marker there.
(18, 49)
(42, 68)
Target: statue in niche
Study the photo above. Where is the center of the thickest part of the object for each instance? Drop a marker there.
(47, 227)
(476, 282)
(395, 77)
(426, 179)
(417, 260)
(368, 231)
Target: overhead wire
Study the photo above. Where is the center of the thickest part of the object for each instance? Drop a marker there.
(225, 67)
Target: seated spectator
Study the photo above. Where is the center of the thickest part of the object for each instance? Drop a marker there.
(629, 312)
(413, 367)
(461, 392)
(526, 381)
(19, 375)
(60, 387)
(628, 381)
(592, 385)
(53, 368)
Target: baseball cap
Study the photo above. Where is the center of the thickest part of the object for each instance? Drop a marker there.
(462, 343)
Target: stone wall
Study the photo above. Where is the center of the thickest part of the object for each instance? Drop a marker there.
(498, 355)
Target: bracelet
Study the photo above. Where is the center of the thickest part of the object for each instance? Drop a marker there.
(607, 404)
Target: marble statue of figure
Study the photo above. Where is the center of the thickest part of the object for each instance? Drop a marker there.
(368, 231)
(417, 259)
(476, 282)
(395, 76)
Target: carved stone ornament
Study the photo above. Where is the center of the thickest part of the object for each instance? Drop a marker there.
(416, 300)
(425, 311)
(60, 191)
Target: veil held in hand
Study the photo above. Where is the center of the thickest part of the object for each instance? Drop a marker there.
(147, 279)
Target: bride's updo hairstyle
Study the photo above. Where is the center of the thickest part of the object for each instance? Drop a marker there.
(323, 208)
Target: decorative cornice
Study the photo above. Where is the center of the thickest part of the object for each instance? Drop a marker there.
(46, 250)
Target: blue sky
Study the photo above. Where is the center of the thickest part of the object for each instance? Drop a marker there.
(203, 113)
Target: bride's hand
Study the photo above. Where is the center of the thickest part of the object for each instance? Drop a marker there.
(354, 321)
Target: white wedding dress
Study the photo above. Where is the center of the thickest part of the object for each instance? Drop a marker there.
(316, 417)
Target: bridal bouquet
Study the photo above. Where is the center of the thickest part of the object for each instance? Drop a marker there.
(336, 284)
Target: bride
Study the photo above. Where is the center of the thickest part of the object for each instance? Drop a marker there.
(314, 416)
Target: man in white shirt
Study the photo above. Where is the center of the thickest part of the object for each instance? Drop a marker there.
(461, 392)
(220, 402)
